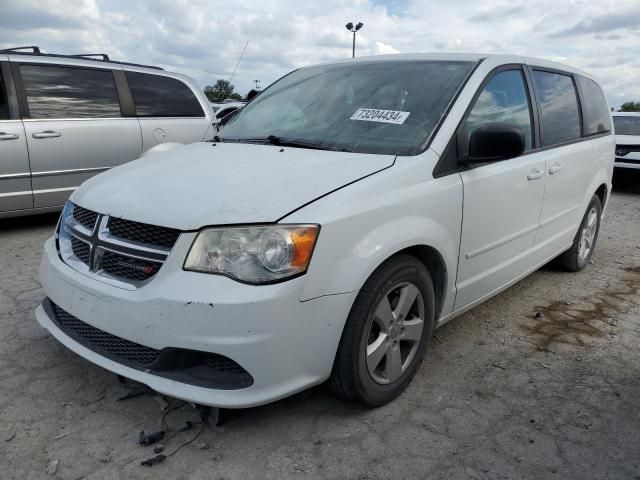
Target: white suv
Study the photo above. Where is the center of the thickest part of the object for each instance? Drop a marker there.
(341, 216)
(627, 129)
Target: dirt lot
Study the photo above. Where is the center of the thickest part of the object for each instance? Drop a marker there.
(501, 395)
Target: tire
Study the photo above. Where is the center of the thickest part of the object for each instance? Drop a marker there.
(576, 258)
(355, 376)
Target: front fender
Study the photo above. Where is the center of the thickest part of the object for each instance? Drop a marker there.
(366, 223)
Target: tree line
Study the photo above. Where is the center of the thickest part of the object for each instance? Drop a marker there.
(221, 90)
(630, 107)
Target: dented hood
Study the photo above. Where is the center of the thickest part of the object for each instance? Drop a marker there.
(202, 184)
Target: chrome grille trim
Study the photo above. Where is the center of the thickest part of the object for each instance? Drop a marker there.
(101, 240)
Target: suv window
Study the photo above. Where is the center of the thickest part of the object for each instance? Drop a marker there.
(595, 109)
(504, 99)
(559, 111)
(69, 92)
(627, 125)
(158, 96)
(4, 104)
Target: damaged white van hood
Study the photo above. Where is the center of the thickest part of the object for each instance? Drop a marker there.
(203, 184)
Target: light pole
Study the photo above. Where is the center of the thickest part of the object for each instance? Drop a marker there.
(354, 29)
(257, 82)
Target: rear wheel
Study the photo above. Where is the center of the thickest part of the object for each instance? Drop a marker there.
(386, 333)
(578, 256)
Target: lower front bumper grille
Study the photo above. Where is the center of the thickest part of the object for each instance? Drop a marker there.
(203, 369)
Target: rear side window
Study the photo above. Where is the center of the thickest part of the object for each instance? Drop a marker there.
(69, 92)
(504, 99)
(595, 109)
(158, 96)
(559, 111)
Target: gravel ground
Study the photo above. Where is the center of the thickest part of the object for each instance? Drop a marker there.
(503, 393)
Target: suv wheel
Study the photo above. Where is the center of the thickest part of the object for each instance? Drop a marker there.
(578, 256)
(386, 333)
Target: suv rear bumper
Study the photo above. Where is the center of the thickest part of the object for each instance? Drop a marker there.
(284, 344)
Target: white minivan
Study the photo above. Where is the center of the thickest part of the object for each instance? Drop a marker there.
(338, 219)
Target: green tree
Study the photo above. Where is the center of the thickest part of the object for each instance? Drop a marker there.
(219, 91)
(630, 107)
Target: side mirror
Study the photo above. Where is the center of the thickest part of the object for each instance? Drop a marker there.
(492, 142)
(225, 119)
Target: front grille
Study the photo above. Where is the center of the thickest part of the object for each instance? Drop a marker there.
(143, 233)
(81, 250)
(85, 217)
(104, 341)
(115, 249)
(131, 268)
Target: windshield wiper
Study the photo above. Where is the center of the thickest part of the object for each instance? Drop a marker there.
(283, 142)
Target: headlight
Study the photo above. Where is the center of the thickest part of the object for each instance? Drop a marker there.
(261, 254)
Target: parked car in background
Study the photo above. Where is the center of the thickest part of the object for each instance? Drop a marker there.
(325, 240)
(627, 129)
(225, 108)
(65, 118)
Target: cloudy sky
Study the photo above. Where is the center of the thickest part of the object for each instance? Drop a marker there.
(204, 38)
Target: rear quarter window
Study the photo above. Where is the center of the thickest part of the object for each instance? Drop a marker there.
(559, 111)
(595, 110)
(159, 96)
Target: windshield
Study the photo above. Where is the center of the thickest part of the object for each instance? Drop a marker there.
(627, 125)
(377, 107)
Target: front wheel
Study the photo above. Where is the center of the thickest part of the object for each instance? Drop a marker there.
(386, 333)
(578, 256)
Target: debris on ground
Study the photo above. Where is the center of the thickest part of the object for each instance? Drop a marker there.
(95, 400)
(10, 437)
(497, 365)
(52, 468)
(203, 446)
(150, 462)
(62, 435)
(539, 315)
(151, 438)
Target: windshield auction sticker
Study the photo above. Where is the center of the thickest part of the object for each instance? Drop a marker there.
(377, 115)
(383, 116)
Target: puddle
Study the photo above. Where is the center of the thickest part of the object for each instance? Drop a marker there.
(578, 322)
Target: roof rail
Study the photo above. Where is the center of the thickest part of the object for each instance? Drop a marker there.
(91, 56)
(33, 49)
(98, 57)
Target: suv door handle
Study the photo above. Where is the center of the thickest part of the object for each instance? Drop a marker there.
(555, 168)
(8, 136)
(535, 174)
(47, 134)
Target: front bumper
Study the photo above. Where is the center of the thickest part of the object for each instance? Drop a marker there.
(626, 164)
(284, 344)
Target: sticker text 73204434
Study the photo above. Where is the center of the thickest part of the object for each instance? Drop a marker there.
(378, 115)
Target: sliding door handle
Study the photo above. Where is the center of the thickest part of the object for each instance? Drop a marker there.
(47, 134)
(535, 174)
(8, 136)
(555, 168)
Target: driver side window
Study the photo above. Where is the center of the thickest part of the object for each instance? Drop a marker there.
(504, 99)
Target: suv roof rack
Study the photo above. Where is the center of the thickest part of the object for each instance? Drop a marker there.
(99, 57)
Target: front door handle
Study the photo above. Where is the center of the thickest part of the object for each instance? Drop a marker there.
(555, 168)
(535, 174)
(47, 134)
(8, 136)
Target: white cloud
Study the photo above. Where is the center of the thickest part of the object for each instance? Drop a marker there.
(204, 38)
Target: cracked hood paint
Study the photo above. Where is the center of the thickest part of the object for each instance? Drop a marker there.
(204, 184)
